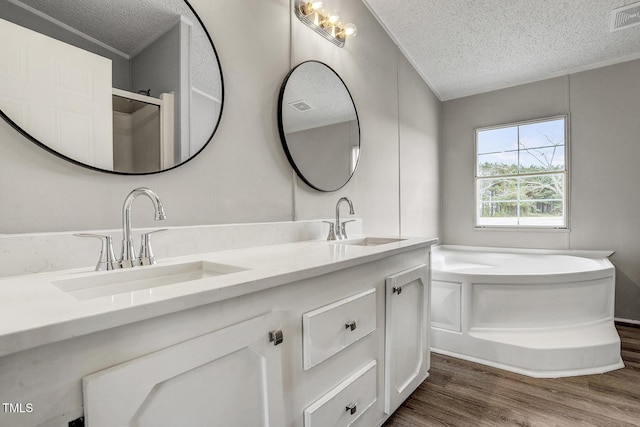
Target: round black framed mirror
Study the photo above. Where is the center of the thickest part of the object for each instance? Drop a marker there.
(131, 87)
(319, 126)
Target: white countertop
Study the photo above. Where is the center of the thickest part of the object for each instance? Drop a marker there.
(35, 311)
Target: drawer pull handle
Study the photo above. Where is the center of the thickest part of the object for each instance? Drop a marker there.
(351, 325)
(351, 409)
(276, 337)
(397, 290)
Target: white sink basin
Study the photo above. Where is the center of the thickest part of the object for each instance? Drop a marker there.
(114, 282)
(371, 241)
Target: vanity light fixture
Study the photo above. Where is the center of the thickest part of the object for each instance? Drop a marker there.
(327, 24)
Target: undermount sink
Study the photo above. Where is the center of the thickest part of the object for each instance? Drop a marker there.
(371, 241)
(115, 282)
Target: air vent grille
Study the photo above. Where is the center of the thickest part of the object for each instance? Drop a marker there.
(625, 17)
(301, 106)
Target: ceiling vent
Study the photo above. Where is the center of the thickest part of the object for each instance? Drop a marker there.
(300, 106)
(625, 17)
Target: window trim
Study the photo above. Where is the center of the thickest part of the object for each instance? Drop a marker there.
(566, 172)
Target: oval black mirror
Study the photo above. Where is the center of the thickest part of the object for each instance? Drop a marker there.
(319, 126)
(124, 86)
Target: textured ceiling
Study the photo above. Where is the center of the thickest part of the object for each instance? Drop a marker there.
(322, 90)
(464, 47)
(125, 25)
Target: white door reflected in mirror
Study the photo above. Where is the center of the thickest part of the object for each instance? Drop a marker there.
(58, 92)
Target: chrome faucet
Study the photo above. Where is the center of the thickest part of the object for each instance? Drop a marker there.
(107, 259)
(340, 231)
(129, 258)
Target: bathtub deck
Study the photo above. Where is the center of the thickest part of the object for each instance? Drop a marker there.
(462, 393)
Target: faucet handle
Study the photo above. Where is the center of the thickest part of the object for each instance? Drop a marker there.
(343, 228)
(332, 230)
(107, 259)
(146, 256)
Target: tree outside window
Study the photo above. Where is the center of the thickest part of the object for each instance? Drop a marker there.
(521, 174)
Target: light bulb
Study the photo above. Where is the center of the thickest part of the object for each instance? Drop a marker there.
(350, 31)
(333, 17)
(310, 7)
(330, 20)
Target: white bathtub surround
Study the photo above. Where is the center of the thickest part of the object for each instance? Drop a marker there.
(535, 312)
(44, 252)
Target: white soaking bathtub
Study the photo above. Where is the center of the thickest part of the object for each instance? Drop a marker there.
(539, 313)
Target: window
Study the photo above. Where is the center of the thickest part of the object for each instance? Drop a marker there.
(521, 174)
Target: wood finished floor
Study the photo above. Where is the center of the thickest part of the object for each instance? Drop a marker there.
(461, 393)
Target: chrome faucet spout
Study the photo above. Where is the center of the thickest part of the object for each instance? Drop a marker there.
(338, 226)
(128, 258)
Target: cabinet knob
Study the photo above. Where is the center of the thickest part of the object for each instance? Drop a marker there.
(397, 290)
(351, 325)
(276, 337)
(351, 409)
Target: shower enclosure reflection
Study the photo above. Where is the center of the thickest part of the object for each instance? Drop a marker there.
(142, 133)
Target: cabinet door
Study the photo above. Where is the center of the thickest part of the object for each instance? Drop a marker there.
(231, 377)
(406, 339)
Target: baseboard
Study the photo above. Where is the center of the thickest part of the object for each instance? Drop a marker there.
(627, 322)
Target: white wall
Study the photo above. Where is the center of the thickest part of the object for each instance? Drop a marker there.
(605, 167)
(163, 54)
(419, 133)
(380, 80)
(243, 174)
(315, 148)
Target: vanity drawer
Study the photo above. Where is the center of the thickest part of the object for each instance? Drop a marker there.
(346, 402)
(331, 328)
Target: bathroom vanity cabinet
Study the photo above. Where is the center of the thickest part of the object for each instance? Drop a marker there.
(325, 345)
